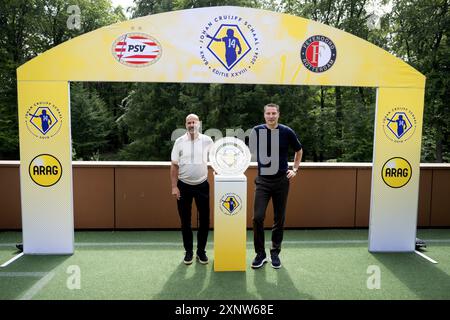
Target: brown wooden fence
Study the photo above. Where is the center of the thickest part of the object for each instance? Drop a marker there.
(137, 195)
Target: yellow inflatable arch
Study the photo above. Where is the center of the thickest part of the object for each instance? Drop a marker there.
(216, 45)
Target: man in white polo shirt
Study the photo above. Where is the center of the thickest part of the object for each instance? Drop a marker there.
(189, 174)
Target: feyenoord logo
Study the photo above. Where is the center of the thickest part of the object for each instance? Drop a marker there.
(318, 53)
(136, 50)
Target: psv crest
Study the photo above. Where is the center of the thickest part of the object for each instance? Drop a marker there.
(136, 50)
(318, 53)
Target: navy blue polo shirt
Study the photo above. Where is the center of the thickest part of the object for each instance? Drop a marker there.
(283, 137)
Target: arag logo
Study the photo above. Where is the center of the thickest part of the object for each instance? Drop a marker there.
(136, 50)
(43, 120)
(45, 170)
(230, 204)
(396, 172)
(318, 53)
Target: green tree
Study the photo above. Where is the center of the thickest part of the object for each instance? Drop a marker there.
(16, 19)
(28, 28)
(421, 37)
(331, 119)
(152, 113)
(91, 123)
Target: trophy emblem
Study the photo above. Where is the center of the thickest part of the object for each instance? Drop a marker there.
(230, 156)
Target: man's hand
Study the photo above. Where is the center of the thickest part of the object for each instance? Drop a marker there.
(291, 173)
(176, 193)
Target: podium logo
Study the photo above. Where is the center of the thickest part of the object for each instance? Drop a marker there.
(396, 172)
(45, 170)
(230, 204)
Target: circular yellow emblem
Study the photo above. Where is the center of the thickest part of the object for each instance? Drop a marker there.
(45, 170)
(396, 172)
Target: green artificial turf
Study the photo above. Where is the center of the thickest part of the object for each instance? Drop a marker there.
(317, 264)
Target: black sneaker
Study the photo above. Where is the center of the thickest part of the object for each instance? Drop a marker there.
(188, 257)
(259, 260)
(202, 258)
(420, 244)
(276, 263)
(19, 247)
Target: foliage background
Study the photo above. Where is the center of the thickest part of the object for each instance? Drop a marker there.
(135, 121)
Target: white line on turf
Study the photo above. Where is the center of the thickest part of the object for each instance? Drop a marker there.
(132, 243)
(424, 256)
(11, 260)
(38, 286)
(22, 274)
(135, 243)
(127, 243)
(177, 244)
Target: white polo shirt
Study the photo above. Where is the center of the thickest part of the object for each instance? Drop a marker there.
(192, 158)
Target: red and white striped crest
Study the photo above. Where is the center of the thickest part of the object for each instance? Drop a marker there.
(136, 50)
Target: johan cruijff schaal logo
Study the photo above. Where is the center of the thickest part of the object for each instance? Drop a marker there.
(229, 45)
(230, 204)
(43, 120)
(399, 124)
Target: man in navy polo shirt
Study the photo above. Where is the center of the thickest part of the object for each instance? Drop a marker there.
(271, 141)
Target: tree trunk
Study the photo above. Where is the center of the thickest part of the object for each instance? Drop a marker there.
(339, 121)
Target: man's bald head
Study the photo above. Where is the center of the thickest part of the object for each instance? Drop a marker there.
(192, 123)
(192, 116)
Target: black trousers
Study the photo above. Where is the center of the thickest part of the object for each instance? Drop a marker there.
(200, 193)
(278, 190)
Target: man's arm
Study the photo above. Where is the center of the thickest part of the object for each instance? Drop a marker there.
(297, 159)
(174, 179)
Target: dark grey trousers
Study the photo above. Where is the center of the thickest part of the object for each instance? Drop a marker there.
(266, 189)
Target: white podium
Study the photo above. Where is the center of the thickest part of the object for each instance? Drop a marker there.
(230, 222)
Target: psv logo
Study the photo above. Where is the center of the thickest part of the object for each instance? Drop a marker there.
(318, 53)
(136, 50)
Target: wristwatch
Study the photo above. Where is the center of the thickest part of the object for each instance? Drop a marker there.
(294, 169)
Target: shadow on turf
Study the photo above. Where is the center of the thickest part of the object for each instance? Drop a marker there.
(180, 286)
(283, 289)
(205, 284)
(422, 277)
